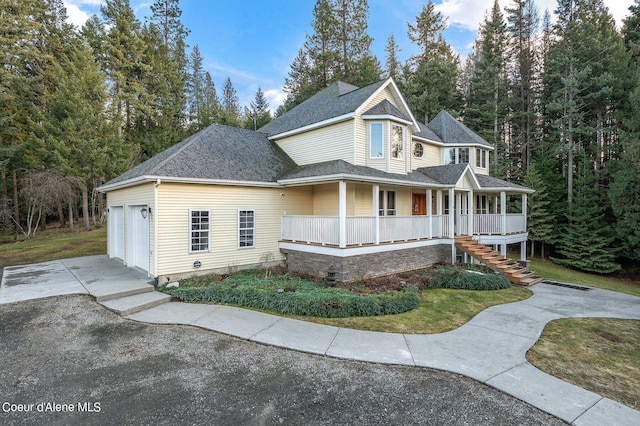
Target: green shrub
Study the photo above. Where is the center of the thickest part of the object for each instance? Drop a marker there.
(294, 296)
(461, 277)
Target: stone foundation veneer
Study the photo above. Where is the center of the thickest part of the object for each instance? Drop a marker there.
(360, 266)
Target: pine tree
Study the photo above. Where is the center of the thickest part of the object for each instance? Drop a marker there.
(258, 114)
(588, 239)
(230, 105)
(486, 108)
(393, 68)
(523, 26)
(203, 104)
(539, 221)
(431, 76)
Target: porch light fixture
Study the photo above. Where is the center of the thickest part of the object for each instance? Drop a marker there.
(144, 212)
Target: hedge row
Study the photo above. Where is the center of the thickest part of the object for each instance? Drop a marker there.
(458, 277)
(297, 297)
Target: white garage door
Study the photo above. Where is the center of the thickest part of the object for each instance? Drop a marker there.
(138, 237)
(116, 232)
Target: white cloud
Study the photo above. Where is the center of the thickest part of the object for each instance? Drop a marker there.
(275, 97)
(75, 15)
(469, 14)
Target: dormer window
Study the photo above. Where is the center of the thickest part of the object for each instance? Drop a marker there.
(397, 142)
(456, 155)
(418, 150)
(376, 140)
(482, 158)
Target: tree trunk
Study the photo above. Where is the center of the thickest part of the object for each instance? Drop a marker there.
(60, 214)
(85, 208)
(70, 216)
(16, 206)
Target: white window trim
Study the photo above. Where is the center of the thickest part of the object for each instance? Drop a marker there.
(253, 229)
(371, 140)
(383, 209)
(445, 159)
(481, 157)
(208, 250)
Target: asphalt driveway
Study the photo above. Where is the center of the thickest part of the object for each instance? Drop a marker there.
(69, 353)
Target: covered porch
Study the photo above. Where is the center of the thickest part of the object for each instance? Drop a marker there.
(402, 215)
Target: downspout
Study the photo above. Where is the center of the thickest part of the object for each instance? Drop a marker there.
(155, 231)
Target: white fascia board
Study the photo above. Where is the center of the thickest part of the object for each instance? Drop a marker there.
(429, 141)
(387, 117)
(146, 179)
(507, 189)
(456, 145)
(473, 175)
(313, 126)
(404, 103)
(360, 250)
(357, 178)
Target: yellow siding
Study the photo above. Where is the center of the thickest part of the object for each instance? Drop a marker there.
(325, 200)
(361, 132)
(363, 200)
(175, 200)
(334, 142)
(432, 156)
(133, 196)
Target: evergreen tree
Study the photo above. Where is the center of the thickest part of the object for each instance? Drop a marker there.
(393, 67)
(588, 239)
(431, 76)
(487, 101)
(230, 105)
(204, 107)
(539, 221)
(258, 114)
(523, 27)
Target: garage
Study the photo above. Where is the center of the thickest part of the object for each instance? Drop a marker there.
(138, 237)
(116, 232)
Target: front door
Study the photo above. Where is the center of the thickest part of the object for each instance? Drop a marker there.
(419, 204)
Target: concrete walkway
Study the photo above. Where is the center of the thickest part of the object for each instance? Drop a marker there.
(490, 348)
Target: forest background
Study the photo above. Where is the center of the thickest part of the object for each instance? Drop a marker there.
(559, 99)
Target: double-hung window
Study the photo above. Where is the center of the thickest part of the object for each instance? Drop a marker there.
(199, 230)
(456, 155)
(387, 203)
(376, 140)
(246, 228)
(481, 158)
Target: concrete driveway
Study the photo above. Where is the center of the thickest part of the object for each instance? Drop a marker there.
(490, 349)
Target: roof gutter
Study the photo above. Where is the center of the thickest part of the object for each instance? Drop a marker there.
(358, 178)
(165, 179)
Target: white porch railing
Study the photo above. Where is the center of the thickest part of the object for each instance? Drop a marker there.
(360, 230)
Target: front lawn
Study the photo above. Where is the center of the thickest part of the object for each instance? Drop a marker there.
(598, 354)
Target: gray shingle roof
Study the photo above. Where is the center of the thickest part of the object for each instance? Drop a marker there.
(446, 175)
(427, 133)
(387, 108)
(336, 100)
(451, 131)
(341, 167)
(491, 182)
(220, 153)
(450, 174)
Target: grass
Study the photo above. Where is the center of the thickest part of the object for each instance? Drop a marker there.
(54, 244)
(553, 272)
(600, 355)
(439, 310)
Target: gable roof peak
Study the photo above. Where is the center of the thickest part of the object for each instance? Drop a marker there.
(452, 131)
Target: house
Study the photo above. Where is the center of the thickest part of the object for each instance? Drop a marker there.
(347, 181)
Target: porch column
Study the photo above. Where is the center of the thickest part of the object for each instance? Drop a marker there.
(376, 214)
(439, 213)
(452, 212)
(503, 212)
(342, 213)
(459, 210)
(430, 213)
(523, 250)
(524, 211)
(470, 213)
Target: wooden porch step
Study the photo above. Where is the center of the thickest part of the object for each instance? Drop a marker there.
(513, 271)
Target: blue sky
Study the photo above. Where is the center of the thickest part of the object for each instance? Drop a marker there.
(254, 42)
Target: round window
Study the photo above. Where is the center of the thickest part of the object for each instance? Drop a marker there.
(418, 150)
